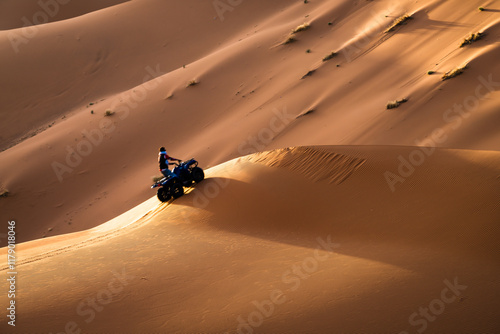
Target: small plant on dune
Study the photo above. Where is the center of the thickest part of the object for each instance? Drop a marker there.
(4, 192)
(398, 22)
(300, 28)
(308, 74)
(472, 38)
(192, 83)
(308, 51)
(481, 9)
(308, 112)
(430, 72)
(453, 73)
(329, 56)
(395, 104)
(306, 1)
(109, 113)
(290, 39)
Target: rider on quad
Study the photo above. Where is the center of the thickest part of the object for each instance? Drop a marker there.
(163, 159)
(183, 175)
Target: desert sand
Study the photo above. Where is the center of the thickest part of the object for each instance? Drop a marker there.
(322, 210)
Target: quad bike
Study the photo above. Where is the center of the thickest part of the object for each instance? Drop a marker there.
(184, 174)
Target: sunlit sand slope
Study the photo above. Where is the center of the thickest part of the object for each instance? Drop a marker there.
(269, 244)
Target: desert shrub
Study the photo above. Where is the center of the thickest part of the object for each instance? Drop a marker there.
(399, 21)
(300, 28)
(329, 56)
(453, 73)
(396, 103)
(472, 38)
(4, 192)
(290, 39)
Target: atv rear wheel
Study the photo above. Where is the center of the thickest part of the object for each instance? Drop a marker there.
(163, 195)
(197, 174)
(177, 190)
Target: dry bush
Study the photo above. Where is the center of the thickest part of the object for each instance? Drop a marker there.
(472, 38)
(453, 73)
(399, 21)
(290, 39)
(329, 56)
(4, 192)
(300, 28)
(396, 103)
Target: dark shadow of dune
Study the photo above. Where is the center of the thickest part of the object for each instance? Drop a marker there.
(428, 23)
(367, 222)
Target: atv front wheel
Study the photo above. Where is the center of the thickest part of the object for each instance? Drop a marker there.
(177, 190)
(197, 174)
(163, 195)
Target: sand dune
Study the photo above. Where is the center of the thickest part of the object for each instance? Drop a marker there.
(249, 90)
(318, 165)
(221, 252)
(408, 194)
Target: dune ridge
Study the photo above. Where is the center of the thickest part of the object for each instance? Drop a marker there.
(314, 163)
(322, 210)
(356, 274)
(16, 14)
(243, 76)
